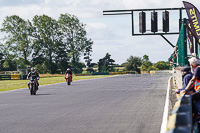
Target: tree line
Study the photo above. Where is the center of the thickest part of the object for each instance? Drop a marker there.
(133, 63)
(52, 46)
(47, 44)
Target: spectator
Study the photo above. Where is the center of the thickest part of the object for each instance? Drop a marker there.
(196, 78)
(194, 81)
(187, 76)
(194, 55)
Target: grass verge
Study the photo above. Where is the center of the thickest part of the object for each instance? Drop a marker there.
(7, 85)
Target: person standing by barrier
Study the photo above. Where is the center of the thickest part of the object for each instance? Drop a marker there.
(187, 76)
(195, 81)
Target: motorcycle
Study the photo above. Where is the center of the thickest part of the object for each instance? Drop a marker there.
(33, 87)
(68, 78)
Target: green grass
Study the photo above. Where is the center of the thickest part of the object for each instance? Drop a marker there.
(6, 85)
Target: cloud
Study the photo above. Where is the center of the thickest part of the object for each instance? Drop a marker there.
(18, 2)
(110, 33)
(100, 32)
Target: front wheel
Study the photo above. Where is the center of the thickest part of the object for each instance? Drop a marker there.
(31, 89)
(34, 89)
(68, 81)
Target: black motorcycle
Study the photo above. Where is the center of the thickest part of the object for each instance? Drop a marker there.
(33, 87)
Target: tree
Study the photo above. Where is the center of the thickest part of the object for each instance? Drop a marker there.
(146, 64)
(161, 65)
(18, 37)
(62, 60)
(87, 57)
(10, 63)
(79, 67)
(133, 63)
(106, 64)
(87, 53)
(47, 43)
(75, 37)
(2, 60)
(145, 58)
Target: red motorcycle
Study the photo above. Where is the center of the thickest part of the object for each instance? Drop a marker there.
(68, 78)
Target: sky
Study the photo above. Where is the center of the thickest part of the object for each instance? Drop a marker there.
(110, 34)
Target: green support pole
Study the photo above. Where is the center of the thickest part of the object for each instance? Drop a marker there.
(196, 48)
(182, 45)
(185, 43)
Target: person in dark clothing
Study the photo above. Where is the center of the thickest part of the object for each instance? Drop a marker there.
(186, 76)
(33, 75)
(68, 71)
(195, 81)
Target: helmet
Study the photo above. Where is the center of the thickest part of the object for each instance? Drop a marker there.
(68, 69)
(32, 69)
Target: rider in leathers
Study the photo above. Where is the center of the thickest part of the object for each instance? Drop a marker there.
(68, 71)
(33, 75)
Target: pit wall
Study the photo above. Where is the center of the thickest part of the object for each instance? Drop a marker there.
(178, 78)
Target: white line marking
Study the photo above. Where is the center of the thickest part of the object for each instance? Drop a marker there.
(165, 114)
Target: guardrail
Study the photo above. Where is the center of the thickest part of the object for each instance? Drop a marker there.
(12, 77)
(180, 119)
(5, 77)
(160, 72)
(107, 73)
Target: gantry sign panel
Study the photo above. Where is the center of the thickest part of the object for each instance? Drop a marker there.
(154, 20)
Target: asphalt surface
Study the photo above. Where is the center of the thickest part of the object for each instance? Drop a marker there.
(120, 104)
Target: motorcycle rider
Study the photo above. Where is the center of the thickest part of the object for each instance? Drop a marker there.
(33, 75)
(68, 71)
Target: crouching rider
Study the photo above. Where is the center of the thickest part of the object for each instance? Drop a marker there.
(33, 75)
(68, 71)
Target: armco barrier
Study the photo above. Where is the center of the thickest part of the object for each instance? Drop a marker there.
(12, 77)
(112, 73)
(115, 73)
(5, 77)
(99, 73)
(161, 72)
(15, 76)
(131, 72)
(83, 74)
(180, 119)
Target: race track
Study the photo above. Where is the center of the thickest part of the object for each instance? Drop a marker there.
(119, 104)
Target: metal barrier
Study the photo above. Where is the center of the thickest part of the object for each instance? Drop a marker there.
(5, 77)
(180, 119)
(12, 77)
(15, 76)
(116, 73)
(161, 72)
(131, 72)
(101, 73)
